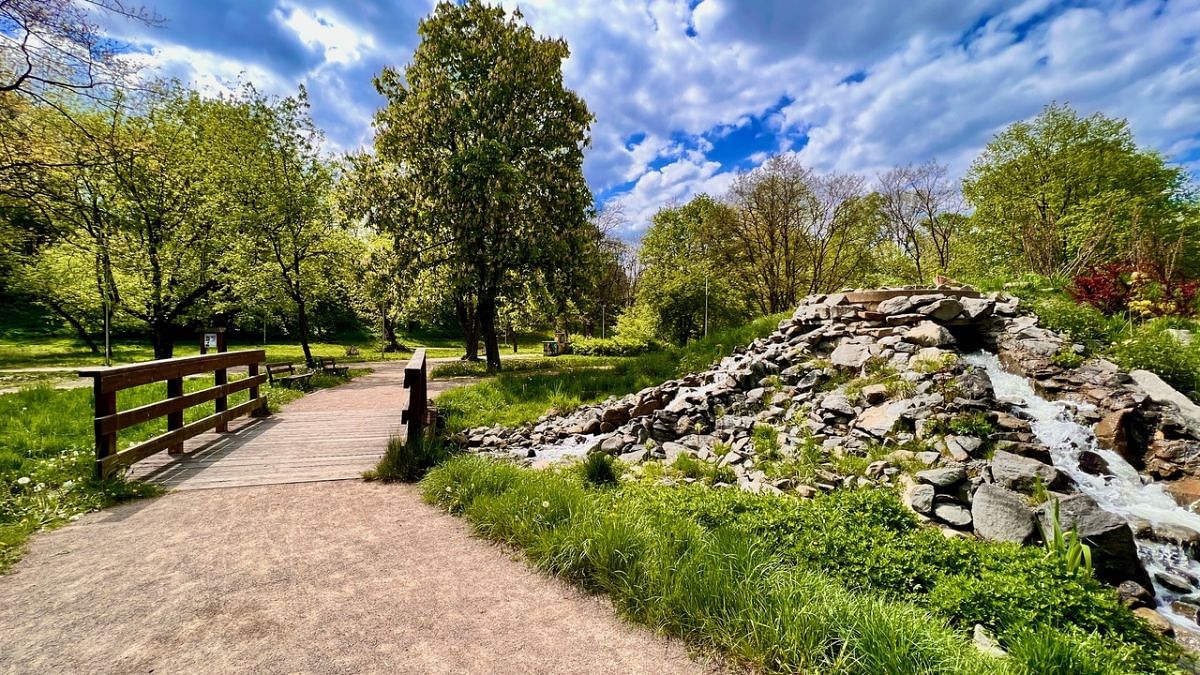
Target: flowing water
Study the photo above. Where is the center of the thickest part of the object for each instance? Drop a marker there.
(1122, 492)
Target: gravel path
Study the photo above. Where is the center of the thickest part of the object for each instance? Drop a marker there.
(336, 577)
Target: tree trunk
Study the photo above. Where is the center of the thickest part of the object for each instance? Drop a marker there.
(391, 344)
(80, 330)
(468, 320)
(302, 328)
(487, 325)
(163, 341)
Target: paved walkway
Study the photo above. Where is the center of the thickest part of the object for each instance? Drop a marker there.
(334, 577)
(305, 575)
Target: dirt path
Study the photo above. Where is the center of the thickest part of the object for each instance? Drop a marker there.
(339, 577)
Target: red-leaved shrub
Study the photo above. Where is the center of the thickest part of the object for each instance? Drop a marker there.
(1107, 287)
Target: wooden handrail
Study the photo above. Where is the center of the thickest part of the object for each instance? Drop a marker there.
(416, 382)
(106, 382)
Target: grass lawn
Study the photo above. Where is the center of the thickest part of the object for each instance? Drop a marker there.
(24, 349)
(527, 388)
(47, 452)
(848, 582)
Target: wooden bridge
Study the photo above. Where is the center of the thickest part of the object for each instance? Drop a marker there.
(330, 434)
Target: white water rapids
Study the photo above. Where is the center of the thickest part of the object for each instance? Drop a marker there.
(1122, 492)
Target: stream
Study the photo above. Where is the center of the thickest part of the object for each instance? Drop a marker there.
(1122, 492)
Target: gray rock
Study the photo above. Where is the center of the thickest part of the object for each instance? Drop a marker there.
(987, 644)
(1114, 553)
(875, 393)
(920, 498)
(897, 305)
(977, 308)
(880, 420)
(1161, 392)
(1001, 515)
(1022, 473)
(633, 457)
(942, 310)
(1174, 582)
(953, 515)
(849, 355)
(838, 403)
(672, 451)
(942, 478)
(929, 334)
(928, 457)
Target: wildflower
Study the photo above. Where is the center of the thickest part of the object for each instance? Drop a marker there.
(545, 505)
(23, 480)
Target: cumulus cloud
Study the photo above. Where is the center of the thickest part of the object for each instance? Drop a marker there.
(688, 92)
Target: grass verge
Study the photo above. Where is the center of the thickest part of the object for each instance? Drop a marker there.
(845, 583)
(47, 452)
(529, 388)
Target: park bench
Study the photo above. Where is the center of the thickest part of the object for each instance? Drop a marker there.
(329, 366)
(275, 374)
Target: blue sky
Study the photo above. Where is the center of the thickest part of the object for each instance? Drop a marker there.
(689, 92)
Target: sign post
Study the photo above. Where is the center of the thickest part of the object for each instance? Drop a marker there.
(213, 340)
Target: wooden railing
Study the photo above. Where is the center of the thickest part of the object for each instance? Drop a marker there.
(417, 412)
(106, 382)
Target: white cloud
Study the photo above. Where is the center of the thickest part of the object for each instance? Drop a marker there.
(341, 41)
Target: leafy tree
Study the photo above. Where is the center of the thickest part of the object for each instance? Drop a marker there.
(280, 188)
(1065, 191)
(764, 233)
(682, 278)
(491, 143)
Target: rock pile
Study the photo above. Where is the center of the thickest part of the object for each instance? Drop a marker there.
(869, 388)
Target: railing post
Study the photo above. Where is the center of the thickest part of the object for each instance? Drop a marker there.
(175, 419)
(221, 377)
(415, 380)
(105, 404)
(261, 410)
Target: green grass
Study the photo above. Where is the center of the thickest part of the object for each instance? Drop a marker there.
(24, 347)
(47, 452)
(529, 388)
(847, 582)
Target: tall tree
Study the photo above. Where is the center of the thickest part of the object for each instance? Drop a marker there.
(1066, 190)
(919, 203)
(764, 238)
(683, 283)
(281, 188)
(492, 142)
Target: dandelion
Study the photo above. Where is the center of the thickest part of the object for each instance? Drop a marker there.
(545, 505)
(23, 480)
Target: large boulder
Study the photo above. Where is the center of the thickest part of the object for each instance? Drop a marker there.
(929, 334)
(1001, 515)
(1022, 473)
(1114, 552)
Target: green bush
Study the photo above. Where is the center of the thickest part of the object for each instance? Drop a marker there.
(847, 581)
(1152, 348)
(1083, 323)
(408, 462)
(613, 346)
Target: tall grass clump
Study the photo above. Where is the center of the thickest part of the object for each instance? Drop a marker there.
(408, 462)
(848, 582)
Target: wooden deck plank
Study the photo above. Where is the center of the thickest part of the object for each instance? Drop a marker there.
(333, 434)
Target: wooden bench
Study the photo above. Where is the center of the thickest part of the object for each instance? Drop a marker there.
(329, 366)
(275, 375)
